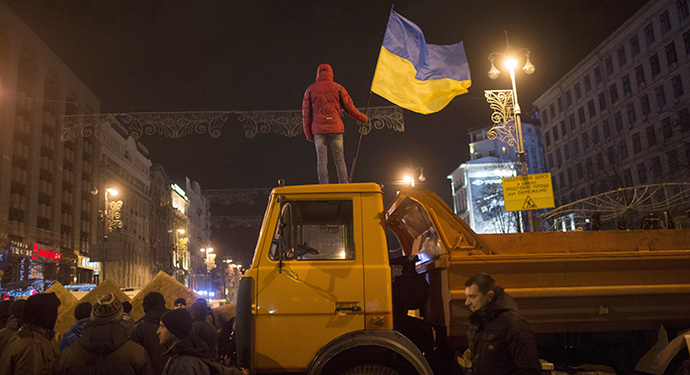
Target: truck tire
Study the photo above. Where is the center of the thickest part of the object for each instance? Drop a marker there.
(371, 370)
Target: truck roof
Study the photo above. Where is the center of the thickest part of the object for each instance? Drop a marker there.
(364, 187)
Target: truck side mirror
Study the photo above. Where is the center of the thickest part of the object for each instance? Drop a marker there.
(286, 233)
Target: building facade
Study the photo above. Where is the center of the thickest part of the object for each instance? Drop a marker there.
(46, 207)
(620, 117)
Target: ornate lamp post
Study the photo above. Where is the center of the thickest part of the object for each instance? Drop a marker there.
(506, 116)
(411, 175)
(112, 217)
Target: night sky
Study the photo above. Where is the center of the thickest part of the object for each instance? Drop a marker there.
(151, 56)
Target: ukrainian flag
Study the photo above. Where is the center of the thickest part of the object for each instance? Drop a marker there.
(417, 76)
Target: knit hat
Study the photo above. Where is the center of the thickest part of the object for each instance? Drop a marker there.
(180, 301)
(178, 322)
(42, 310)
(17, 308)
(152, 300)
(107, 307)
(83, 310)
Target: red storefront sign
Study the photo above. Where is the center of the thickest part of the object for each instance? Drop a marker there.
(45, 253)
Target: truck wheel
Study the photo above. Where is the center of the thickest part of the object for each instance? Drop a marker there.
(371, 370)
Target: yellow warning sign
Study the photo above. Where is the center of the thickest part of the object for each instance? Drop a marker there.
(530, 192)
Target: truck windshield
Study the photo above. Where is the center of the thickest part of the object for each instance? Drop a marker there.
(314, 230)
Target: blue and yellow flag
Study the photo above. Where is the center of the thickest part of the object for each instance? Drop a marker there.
(417, 76)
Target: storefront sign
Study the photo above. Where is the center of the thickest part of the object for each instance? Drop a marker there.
(44, 253)
(85, 262)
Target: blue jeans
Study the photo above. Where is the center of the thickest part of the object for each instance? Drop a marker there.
(335, 142)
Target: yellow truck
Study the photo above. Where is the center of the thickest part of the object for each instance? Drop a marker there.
(324, 296)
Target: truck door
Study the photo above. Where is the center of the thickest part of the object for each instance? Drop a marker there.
(310, 289)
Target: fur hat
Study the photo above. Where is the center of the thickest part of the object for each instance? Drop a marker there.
(152, 300)
(42, 310)
(107, 307)
(178, 322)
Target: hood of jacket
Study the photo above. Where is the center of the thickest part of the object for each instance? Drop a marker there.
(191, 345)
(13, 323)
(502, 302)
(154, 315)
(78, 327)
(103, 336)
(324, 73)
(198, 311)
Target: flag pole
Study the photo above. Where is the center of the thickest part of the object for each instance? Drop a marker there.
(361, 127)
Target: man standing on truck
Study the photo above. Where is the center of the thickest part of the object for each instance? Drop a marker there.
(322, 123)
(501, 341)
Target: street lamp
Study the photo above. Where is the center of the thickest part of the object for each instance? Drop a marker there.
(505, 103)
(413, 174)
(112, 219)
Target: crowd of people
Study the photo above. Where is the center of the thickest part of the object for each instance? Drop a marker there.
(105, 339)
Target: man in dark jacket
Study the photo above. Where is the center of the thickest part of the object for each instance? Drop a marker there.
(189, 355)
(82, 314)
(103, 347)
(34, 349)
(14, 323)
(501, 341)
(202, 328)
(144, 332)
(322, 123)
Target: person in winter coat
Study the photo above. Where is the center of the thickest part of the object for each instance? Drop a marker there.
(202, 328)
(501, 341)
(4, 312)
(34, 349)
(14, 323)
(127, 320)
(82, 313)
(103, 347)
(322, 123)
(144, 332)
(189, 355)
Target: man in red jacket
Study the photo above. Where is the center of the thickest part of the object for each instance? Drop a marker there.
(322, 123)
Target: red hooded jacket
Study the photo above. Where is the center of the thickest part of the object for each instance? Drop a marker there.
(322, 102)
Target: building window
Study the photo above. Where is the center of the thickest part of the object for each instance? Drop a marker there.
(551, 109)
(656, 166)
(684, 119)
(608, 63)
(595, 134)
(623, 147)
(545, 116)
(591, 108)
(607, 129)
(651, 136)
(555, 132)
(621, 56)
(637, 144)
(559, 160)
(560, 105)
(671, 56)
(639, 73)
(682, 9)
(649, 33)
(627, 177)
(579, 172)
(597, 73)
(547, 138)
(667, 128)
(660, 96)
(613, 90)
(602, 101)
(581, 115)
(588, 83)
(672, 157)
(566, 151)
(677, 83)
(585, 141)
(631, 113)
(626, 85)
(576, 147)
(656, 67)
(568, 98)
(644, 100)
(635, 45)
(564, 129)
(618, 119)
(641, 173)
(588, 165)
(686, 41)
(578, 92)
(551, 166)
(571, 119)
(611, 156)
(665, 21)
(570, 179)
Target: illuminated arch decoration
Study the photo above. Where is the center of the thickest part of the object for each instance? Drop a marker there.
(615, 203)
(236, 221)
(182, 124)
(229, 197)
(503, 117)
